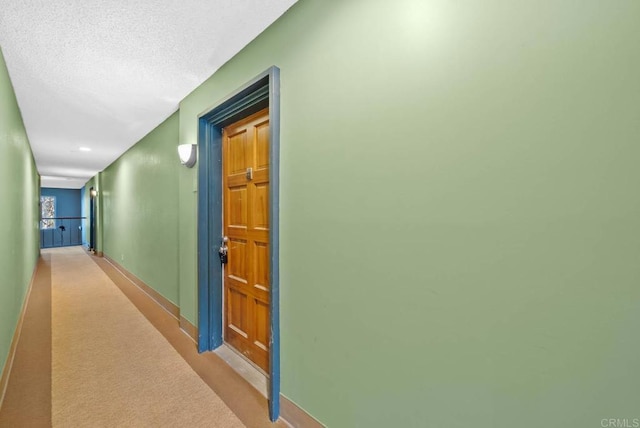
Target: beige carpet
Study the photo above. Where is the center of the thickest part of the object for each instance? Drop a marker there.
(110, 366)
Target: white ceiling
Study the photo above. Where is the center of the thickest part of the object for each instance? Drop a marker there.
(101, 74)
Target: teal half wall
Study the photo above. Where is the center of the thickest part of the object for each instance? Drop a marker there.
(460, 220)
(19, 217)
(67, 231)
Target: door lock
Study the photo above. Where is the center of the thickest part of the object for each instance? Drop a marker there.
(223, 250)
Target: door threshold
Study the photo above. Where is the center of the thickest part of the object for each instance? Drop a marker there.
(244, 368)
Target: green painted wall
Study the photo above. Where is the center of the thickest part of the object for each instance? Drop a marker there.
(187, 239)
(139, 212)
(19, 198)
(460, 221)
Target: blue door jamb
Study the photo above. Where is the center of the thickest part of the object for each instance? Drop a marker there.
(261, 91)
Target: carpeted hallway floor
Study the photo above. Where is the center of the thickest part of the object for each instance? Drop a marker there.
(109, 364)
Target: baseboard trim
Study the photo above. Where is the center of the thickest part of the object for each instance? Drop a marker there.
(166, 304)
(290, 413)
(190, 329)
(295, 416)
(6, 371)
(244, 400)
(92, 252)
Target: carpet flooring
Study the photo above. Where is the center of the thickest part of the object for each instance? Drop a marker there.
(96, 351)
(110, 366)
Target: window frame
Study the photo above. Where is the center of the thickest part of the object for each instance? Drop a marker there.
(51, 223)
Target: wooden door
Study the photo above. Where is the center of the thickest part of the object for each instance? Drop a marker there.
(245, 151)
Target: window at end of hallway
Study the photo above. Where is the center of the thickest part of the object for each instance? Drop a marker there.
(47, 211)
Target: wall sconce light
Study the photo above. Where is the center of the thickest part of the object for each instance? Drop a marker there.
(188, 154)
(93, 192)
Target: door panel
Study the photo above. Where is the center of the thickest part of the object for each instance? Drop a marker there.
(238, 207)
(262, 321)
(236, 268)
(261, 207)
(237, 311)
(262, 145)
(261, 266)
(245, 151)
(238, 162)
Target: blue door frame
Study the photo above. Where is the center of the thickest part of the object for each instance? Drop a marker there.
(262, 91)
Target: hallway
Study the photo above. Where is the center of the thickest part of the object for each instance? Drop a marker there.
(451, 210)
(96, 351)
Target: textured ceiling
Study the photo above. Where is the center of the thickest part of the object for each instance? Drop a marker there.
(101, 74)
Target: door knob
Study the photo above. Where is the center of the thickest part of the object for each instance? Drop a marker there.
(222, 251)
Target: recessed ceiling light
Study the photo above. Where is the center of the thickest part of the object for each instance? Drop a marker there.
(84, 149)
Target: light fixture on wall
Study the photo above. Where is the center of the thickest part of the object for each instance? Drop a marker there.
(188, 154)
(93, 192)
